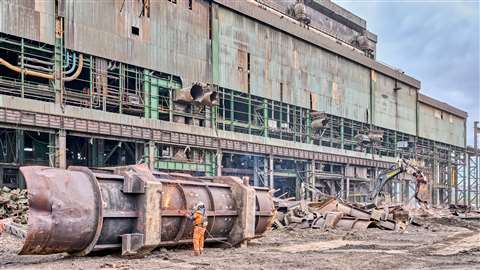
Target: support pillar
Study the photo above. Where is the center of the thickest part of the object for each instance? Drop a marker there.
(270, 172)
(151, 154)
(61, 149)
(311, 180)
(255, 171)
(58, 59)
(347, 192)
(219, 156)
(51, 150)
(20, 154)
(342, 134)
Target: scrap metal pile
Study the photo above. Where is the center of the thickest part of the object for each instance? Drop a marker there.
(334, 213)
(14, 205)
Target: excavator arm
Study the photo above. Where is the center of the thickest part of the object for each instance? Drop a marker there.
(384, 178)
(401, 167)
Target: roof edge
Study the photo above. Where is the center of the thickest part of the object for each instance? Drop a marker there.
(442, 105)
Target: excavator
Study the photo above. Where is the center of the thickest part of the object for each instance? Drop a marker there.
(402, 166)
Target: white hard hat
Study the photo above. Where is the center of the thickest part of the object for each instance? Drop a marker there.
(200, 204)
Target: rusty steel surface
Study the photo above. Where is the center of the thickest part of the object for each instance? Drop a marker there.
(353, 224)
(80, 210)
(61, 202)
(265, 210)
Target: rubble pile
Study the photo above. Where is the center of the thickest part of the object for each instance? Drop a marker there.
(335, 213)
(14, 205)
(463, 211)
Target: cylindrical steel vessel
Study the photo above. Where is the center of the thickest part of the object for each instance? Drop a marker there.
(81, 210)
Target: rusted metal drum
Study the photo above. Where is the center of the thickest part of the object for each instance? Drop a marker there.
(80, 210)
(265, 209)
(60, 220)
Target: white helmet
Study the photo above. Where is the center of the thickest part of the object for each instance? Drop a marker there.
(199, 205)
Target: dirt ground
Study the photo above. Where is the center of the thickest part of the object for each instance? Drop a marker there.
(438, 244)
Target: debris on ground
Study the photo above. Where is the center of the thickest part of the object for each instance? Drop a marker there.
(332, 213)
(14, 204)
(464, 211)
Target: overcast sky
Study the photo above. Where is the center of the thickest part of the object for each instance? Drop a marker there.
(436, 42)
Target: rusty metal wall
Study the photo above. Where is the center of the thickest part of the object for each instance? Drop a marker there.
(441, 126)
(394, 109)
(32, 19)
(173, 39)
(336, 85)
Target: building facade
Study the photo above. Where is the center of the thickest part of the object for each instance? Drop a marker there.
(296, 99)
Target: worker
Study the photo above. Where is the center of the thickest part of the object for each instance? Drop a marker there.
(199, 228)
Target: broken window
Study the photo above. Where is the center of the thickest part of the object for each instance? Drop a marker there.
(135, 30)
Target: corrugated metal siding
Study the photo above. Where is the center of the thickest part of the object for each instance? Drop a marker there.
(33, 20)
(450, 129)
(173, 40)
(395, 111)
(337, 85)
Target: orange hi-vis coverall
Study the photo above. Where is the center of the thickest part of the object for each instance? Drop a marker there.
(198, 232)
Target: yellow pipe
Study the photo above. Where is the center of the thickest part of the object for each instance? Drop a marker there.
(28, 72)
(25, 71)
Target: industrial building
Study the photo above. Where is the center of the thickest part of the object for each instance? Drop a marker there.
(285, 93)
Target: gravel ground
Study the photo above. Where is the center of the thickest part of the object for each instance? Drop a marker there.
(437, 244)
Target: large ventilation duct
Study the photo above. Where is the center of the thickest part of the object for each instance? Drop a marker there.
(319, 120)
(199, 93)
(131, 208)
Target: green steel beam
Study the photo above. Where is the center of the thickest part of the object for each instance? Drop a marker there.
(147, 89)
(154, 97)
